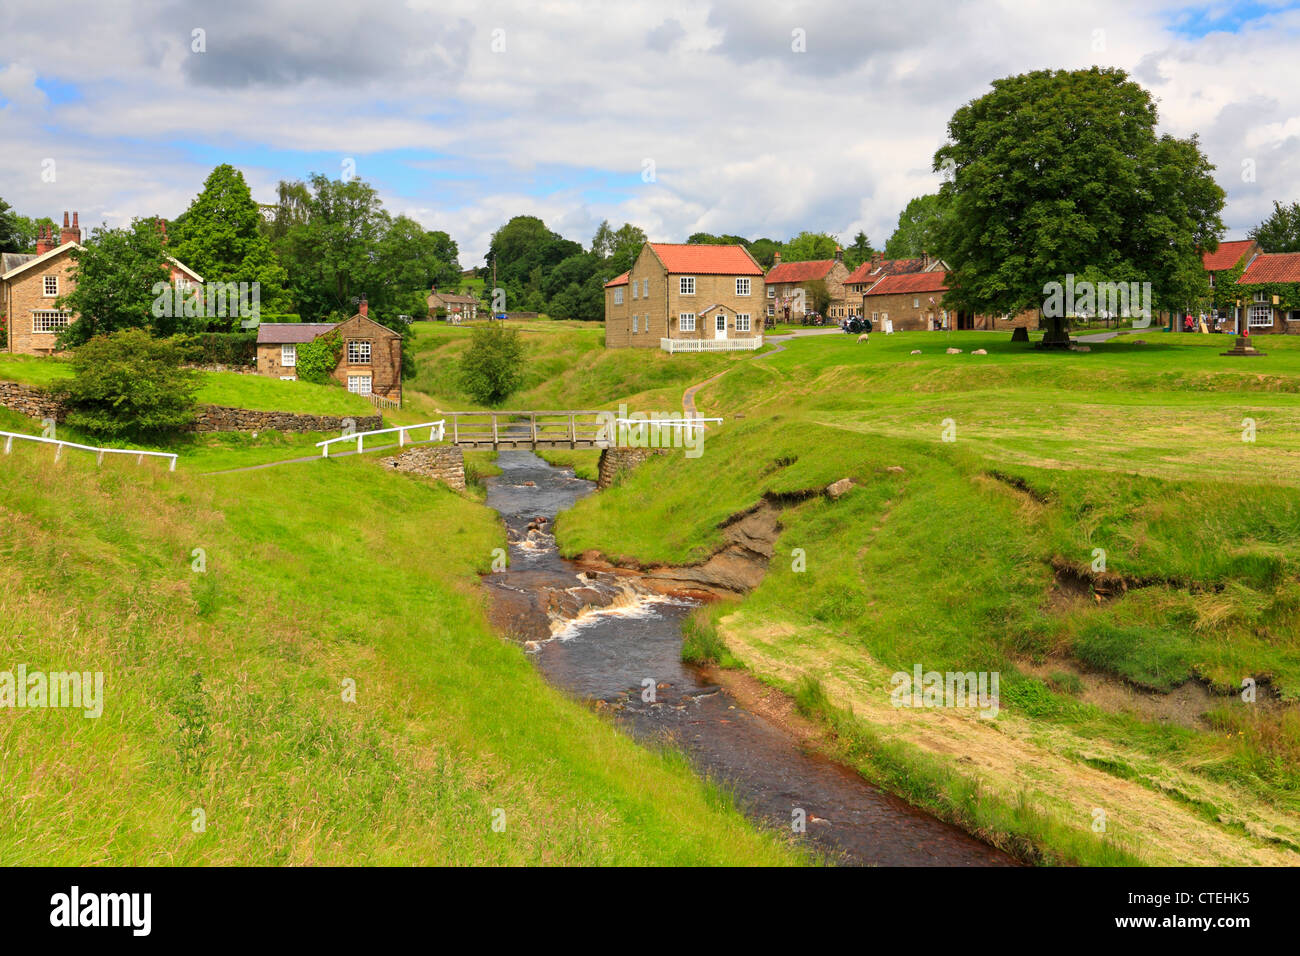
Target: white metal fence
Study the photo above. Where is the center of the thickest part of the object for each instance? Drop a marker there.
(99, 452)
(436, 432)
(710, 345)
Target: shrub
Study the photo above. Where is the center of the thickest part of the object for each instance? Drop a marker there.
(220, 348)
(129, 385)
(492, 367)
(318, 359)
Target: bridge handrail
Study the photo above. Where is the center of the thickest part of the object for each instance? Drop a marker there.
(99, 452)
(437, 432)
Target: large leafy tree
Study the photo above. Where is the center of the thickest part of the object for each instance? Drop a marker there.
(13, 230)
(808, 246)
(340, 243)
(1061, 172)
(116, 271)
(1280, 232)
(219, 238)
(918, 229)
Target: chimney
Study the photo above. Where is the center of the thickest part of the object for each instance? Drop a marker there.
(68, 234)
(44, 241)
(925, 260)
(877, 260)
(776, 260)
(839, 254)
(365, 306)
(162, 230)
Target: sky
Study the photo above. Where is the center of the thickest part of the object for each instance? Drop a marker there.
(727, 116)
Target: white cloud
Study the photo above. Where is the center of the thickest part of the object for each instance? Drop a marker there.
(747, 135)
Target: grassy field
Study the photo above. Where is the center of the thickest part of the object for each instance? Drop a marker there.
(226, 685)
(1119, 689)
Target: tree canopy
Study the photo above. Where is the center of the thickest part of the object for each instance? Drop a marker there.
(1280, 232)
(219, 237)
(918, 229)
(1061, 172)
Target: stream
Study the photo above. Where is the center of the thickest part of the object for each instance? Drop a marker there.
(601, 640)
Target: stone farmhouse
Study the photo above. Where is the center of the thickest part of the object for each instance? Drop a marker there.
(789, 287)
(458, 308)
(1270, 294)
(696, 298)
(913, 301)
(876, 268)
(31, 285)
(370, 363)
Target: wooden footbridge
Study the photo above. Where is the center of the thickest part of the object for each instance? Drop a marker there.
(530, 430)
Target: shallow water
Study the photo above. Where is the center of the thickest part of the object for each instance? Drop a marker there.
(628, 654)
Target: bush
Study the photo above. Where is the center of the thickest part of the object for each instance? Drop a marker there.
(492, 368)
(129, 385)
(318, 359)
(219, 348)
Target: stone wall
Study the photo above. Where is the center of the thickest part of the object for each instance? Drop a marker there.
(445, 463)
(33, 402)
(30, 401)
(219, 418)
(613, 461)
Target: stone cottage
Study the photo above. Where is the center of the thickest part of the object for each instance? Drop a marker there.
(370, 363)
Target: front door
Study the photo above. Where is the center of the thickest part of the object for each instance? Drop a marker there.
(720, 326)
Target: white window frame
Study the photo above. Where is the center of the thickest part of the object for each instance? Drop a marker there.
(645, 288)
(1261, 297)
(1261, 317)
(916, 301)
(686, 322)
(771, 309)
(634, 285)
(686, 285)
(742, 285)
(634, 329)
(46, 281)
(618, 296)
(720, 322)
(54, 320)
(360, 384)
(771, 292)
(742, 322)
(358, 345)
(288, 356)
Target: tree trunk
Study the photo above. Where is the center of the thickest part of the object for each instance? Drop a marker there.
(1056, 336)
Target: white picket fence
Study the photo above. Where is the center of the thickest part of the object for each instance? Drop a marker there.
(99, 452)
(711, 345)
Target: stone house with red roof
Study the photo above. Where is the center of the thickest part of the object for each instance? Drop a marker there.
(687, 297)
(370, 362)
(1269, 294)
(878, 267)
(31, 285)
(913, 301)
(790, 287)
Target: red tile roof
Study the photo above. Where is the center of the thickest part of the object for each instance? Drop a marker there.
(1226, 256)
(704, 259)
(866, 272)
(618, 280)
(936, 281)
(1272, 267)
(800, 271)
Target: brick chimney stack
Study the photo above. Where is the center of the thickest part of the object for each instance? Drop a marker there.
(69, 234)
(365, 306)
(877, 260)
(44, 241)
(925, 260)
(162, 230)
(776, 260)
(839, 254)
